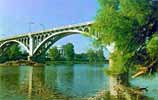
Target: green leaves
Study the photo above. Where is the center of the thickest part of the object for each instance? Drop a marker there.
(119, 25)
(54, 54)
(128, 24)
(152, 46)
(69, 52)
(91, 55)
(13, 52)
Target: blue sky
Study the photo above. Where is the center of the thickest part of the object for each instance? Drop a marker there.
(15, 16)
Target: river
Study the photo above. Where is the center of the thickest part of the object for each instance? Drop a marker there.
(63, 82)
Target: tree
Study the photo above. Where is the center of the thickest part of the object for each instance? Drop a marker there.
(91, 55)
(54, 54)
(100, 55)
(130, 25)
(81, 57)
(14, 52)
(152, 47)
(3, 57)
(69, 52)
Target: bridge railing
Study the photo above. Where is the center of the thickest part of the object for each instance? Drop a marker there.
(49, 30)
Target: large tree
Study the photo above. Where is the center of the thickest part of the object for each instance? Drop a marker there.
(132, 26)
(91, 55)
(54, 54)
(100, 55)
(13, 52)
(69, 52)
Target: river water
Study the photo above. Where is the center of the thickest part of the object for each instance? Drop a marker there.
(62, 82)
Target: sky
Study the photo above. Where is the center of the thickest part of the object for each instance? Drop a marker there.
(15, 16)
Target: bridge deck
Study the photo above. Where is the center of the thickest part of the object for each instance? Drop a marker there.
(49, 30)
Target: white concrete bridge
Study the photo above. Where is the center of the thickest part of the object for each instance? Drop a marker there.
(37, 43)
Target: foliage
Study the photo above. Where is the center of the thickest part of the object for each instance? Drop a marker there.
(100, 55)
(81, 57)
(91, 55)
(95, 55)
(118, 64)
(11, 53)
(128, 24)
(54, 54)
(119, 26)
(69, 52)
(152, 47)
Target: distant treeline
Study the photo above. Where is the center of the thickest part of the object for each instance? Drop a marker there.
(68, 54)
(64, 53)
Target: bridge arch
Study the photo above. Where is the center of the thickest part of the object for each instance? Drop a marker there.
(55, 37)
(15, 41)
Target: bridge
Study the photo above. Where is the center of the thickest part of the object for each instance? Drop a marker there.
(37, 43)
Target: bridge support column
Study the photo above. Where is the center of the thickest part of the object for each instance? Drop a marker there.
(30, 48)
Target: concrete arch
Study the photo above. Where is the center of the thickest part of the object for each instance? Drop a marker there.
(15, 41)
(66, 33)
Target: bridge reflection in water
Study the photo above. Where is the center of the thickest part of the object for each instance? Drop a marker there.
(60, 82)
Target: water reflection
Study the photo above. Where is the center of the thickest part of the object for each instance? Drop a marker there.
(7, 90)
(78, 80)
(67, 82)
(53, 81)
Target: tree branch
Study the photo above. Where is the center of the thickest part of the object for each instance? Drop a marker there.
(144, 70)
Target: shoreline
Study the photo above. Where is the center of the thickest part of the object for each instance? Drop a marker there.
(21, 63)
(36, 64)
(75, 62)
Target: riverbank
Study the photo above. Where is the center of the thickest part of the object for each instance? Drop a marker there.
(124, 93)
(21, 63)
(75, 62)
(36, 64)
